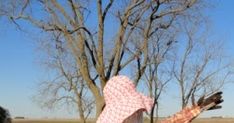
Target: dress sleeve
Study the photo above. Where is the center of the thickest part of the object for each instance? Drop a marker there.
(184, 116)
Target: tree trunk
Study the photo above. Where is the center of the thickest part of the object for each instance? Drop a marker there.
(80, 106)
(81, 111)
(99, 106)
(152, 114)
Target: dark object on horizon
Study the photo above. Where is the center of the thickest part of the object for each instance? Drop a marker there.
(4, 116)
(18, 117)
(216, 117)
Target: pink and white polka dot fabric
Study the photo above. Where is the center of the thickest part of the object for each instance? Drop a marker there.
(122, 100)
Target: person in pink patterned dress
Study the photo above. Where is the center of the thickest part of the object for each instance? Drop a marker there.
(123, 104)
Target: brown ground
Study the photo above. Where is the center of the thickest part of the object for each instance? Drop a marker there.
(203, 120)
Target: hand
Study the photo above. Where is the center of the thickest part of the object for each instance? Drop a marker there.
(212, 102)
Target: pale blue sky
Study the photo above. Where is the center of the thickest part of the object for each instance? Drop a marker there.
(20, 71)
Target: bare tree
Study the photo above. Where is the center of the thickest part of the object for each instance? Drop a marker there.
(67, 87)
(200, 67)
(157, 73)
(82, 25)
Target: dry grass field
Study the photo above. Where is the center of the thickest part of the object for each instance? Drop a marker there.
(202, 120)
(46, 121)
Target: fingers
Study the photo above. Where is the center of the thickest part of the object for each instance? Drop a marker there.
(201, 100)
(215, 107)
(207, 107)
(219, 101)
(216, 96)
(212, 102)
(219, 93)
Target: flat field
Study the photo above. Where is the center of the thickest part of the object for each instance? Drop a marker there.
(201, 120)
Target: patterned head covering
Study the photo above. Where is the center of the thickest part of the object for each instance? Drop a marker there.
(122, 100)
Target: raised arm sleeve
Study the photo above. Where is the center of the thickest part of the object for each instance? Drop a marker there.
(184, 116)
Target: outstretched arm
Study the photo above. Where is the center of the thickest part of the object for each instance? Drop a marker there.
(203, 104)
(184, 116)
